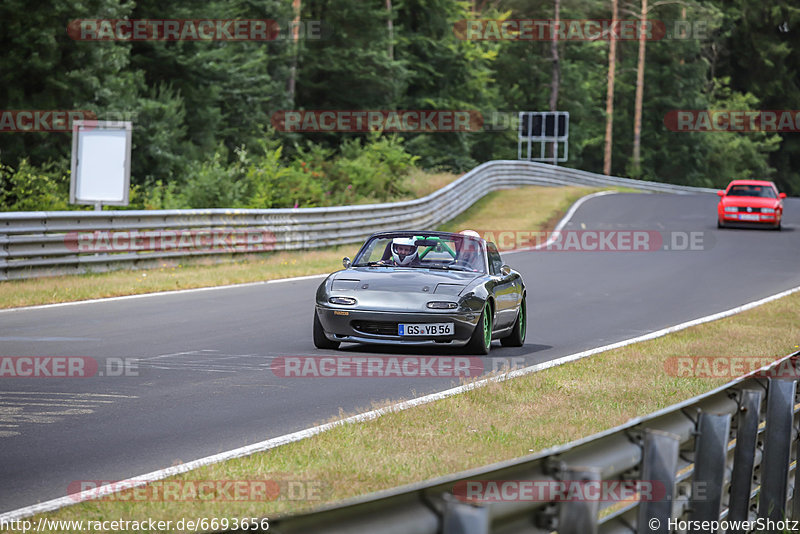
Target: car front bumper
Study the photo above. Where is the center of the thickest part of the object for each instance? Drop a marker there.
(763, 218)
(366, 326)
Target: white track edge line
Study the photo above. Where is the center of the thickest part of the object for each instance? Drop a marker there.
(562, 223)
(61, 502)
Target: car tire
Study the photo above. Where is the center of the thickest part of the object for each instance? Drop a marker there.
(720, 224)
(517, 336)
(481, 339)
(320, 340)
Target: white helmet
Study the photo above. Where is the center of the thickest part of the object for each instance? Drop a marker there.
(406, 257)
(471, 233)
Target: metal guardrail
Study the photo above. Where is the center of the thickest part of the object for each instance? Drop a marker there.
(724, 455)
(34, 244)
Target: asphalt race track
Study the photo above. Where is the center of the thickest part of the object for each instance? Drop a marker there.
(204, 381)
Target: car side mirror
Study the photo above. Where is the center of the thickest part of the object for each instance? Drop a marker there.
(781, 195)
(720, 193)
(346, 262)
(505, 270)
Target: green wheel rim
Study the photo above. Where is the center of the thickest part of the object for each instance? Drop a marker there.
(487, 326)
(522, 321)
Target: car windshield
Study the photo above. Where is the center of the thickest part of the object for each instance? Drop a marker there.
(763, 191)
(447, 252)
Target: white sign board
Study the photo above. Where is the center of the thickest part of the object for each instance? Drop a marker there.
(101, 162)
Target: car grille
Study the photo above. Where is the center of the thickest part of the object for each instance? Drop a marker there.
(384, 328)
(743, 209)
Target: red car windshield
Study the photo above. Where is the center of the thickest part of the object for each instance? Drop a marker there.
(763, 191)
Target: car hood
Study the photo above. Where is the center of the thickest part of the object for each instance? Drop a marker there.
(402, 279)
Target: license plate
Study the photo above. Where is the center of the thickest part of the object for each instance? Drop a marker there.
(748, 216)
(426, 329)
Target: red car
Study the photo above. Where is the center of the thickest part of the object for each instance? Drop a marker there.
(755, 202)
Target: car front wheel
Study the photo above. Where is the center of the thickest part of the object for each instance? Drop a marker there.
(517, 336)
(320, 341)
(481, 339)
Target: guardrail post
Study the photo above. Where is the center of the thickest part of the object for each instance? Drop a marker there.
(747, 422)
(464, 518)
(711, 451)
(3, 256)
(777, 449)
(659, 465)
(579, 516)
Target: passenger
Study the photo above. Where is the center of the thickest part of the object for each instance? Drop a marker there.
(469, 251)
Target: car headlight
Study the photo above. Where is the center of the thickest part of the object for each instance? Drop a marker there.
(767, 210)
(442, 305)
(731, 208)
(347, 301)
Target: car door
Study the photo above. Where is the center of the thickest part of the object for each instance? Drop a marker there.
(506, 289)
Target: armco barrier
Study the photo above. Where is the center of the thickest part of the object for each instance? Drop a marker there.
(36, 244)
(723, 456)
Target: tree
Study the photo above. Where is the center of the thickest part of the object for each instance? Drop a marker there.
(42, 68)
(297, 7)
(760, 54)
(612, 71)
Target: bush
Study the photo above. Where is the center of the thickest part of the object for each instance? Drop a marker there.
(376, 169)
(318, 177)
(215, 184)
(156, 196)
(262, 177)
(450, 153)
(363, 171)
(30, 188)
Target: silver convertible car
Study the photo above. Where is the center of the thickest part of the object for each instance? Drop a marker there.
(416, 287)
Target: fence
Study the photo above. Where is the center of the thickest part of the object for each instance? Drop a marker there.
(36, 244)
(725, 455)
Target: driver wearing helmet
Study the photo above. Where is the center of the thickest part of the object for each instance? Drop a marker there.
(404, 252)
